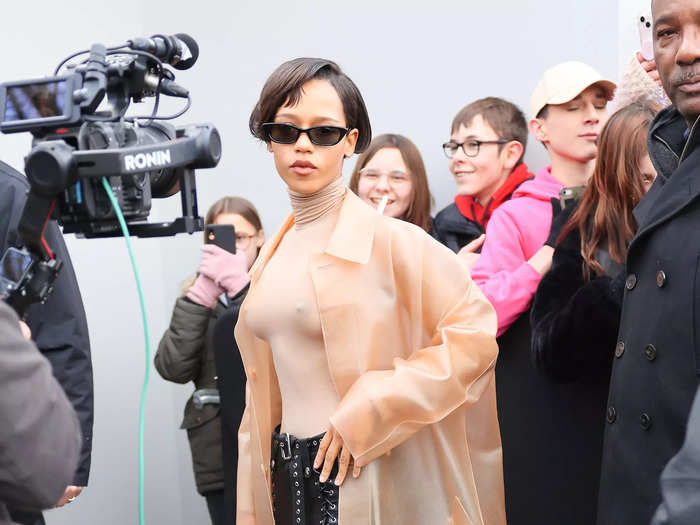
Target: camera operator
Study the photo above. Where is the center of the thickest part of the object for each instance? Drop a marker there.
(40, 435)
(59, 329)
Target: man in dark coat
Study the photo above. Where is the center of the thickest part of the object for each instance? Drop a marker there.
(59, 328)
(656, 368)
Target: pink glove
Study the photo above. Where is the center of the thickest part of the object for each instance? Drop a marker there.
(228, 270)
(204, 292)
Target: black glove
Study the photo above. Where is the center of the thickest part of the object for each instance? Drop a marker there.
(557, 223)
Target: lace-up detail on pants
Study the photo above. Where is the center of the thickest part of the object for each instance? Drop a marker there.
(298, 497)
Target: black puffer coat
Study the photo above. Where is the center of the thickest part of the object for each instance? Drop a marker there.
(453, 229)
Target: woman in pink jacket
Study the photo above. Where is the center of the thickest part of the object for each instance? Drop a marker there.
(369, 352)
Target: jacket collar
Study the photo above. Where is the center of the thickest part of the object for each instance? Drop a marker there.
(480, 214)
(666, 200)
(670, 142)
(351, 239)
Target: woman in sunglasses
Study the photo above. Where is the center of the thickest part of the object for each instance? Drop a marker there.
(368, 351)
(392, 169)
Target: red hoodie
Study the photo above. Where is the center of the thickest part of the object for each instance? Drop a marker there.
(475, 212)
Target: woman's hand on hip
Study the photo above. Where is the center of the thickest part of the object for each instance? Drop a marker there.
(330, 448)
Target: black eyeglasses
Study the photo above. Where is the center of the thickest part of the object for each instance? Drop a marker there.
(469, 147)
(289, 133)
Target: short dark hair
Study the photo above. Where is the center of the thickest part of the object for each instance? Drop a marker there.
(506, 119)
(283, 87)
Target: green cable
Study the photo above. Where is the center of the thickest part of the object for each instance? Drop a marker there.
(142, 406)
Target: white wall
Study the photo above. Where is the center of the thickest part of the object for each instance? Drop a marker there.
(416, 64)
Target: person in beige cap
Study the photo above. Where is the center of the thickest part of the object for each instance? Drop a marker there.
(538, 428)
(568, 110)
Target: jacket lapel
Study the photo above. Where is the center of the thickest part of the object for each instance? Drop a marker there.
(669, 199)
(331, 272)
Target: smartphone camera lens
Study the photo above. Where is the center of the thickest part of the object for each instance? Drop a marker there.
(648, 24)
(642, 19)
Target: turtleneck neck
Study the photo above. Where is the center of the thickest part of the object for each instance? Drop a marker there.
(311, 207)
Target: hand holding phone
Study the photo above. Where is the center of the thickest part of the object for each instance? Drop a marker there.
(646, 39)
(221, 235)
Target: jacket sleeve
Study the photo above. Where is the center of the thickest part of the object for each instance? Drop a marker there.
(39, 431)
(680, 480)
(179, 353)
(59, 328)
(424, 388)
(503, 273)
(245, 508)
(574, 322)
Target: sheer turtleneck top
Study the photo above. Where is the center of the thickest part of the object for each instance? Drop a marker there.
(283, 311)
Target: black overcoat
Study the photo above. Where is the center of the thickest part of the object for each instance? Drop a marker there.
(657, 365)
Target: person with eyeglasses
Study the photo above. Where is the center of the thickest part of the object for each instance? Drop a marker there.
(368, 351)
(199, 346)
(392, 169)
(485, 151)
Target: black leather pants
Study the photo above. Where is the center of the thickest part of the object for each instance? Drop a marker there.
(298, 497)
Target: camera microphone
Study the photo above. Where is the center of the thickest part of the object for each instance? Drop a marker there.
(180, 50)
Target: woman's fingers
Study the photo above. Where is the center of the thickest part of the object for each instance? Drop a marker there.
(343, 464)
(356, 470)
(331, 454)
(322, 448)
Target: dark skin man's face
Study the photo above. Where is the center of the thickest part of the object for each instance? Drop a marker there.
(677, 53)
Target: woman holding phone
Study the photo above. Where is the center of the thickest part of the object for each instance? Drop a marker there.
(369, 353)
(188, 349)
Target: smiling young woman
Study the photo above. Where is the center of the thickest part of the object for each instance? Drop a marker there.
(392, 167)
(368, 350)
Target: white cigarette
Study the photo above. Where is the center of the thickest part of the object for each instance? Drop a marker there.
(382, 205)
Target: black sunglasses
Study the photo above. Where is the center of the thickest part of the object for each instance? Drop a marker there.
(289, 133)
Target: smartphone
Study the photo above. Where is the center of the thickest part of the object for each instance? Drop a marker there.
(646, 40)
(572, 194)
(222, 235)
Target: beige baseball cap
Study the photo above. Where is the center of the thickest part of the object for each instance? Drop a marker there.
(564, 82)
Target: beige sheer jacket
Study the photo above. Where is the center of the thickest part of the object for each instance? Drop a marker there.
(411, 348)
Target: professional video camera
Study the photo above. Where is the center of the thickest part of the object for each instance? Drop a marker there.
(75, 146)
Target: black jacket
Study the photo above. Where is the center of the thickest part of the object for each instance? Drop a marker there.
(453, 229)
(40, 435)
(680, 481)
(231, 381)
(656, 371)
(574, 320)
(59, 327)
(574, 326)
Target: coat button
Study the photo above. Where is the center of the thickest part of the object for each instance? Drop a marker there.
(631, 281)
(611, 415)
(619, 349)
(650, 352)
(645, 421)
(660, 278)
